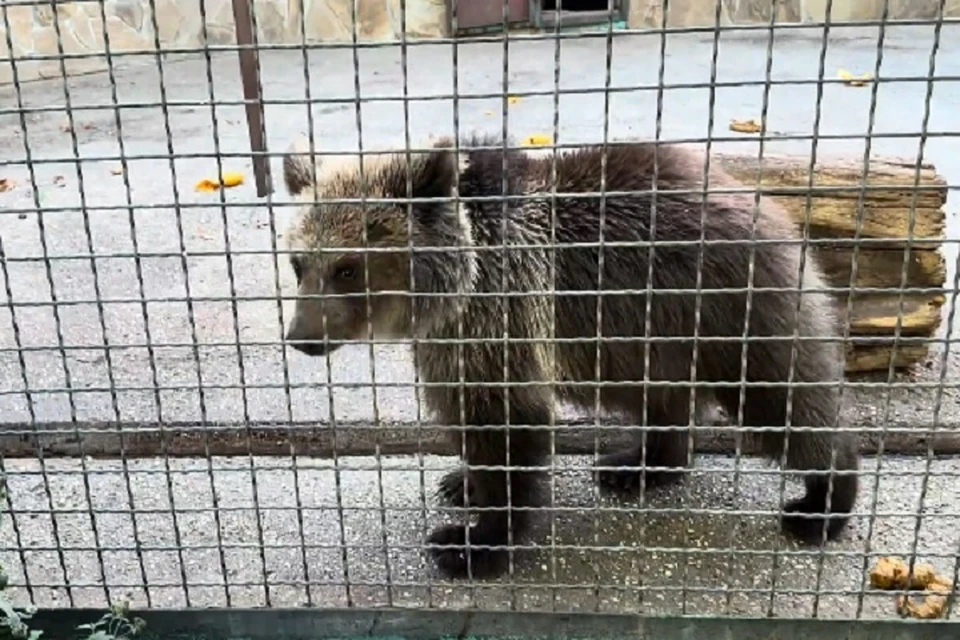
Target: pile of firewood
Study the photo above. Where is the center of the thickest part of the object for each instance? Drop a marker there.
(886, 214)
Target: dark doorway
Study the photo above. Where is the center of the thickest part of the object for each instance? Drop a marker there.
(579, 5)
(577, 13)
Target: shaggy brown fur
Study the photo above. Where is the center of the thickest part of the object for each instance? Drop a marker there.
(477, 226)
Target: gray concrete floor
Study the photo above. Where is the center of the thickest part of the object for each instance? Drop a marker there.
(683, 563)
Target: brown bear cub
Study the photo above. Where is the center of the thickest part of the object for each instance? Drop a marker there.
(448, 298)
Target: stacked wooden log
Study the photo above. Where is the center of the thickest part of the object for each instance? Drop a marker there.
(886, 214)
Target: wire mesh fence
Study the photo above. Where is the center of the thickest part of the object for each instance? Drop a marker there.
(217, 395)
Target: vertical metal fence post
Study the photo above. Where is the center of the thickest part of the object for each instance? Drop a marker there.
(249, 68)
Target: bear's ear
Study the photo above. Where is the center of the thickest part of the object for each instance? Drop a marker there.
(434, 174)
(298, 169)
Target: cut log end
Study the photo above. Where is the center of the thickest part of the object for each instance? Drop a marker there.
(896, 203)
(885, 314)
(892, 189)
(871, 358)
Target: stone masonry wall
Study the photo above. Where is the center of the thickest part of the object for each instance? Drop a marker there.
(130, 23)
(701, 13)
(130, 26)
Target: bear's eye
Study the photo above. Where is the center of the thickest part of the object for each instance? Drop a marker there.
(297, 266)
(345, 272)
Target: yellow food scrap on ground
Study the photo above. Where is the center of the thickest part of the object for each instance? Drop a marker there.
(855, 81)
(933, 605)
(892, 573)
(117, 171)
(745, 126)
(513, 99)
(229, 179)
(488, 112)
(538, 140)
(232, 179)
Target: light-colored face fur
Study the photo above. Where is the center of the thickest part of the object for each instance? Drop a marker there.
(326, 225)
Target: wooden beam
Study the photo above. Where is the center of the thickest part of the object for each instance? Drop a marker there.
(108, 441)
(249, 75)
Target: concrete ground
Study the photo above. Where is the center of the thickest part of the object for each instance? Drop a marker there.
(702, 561)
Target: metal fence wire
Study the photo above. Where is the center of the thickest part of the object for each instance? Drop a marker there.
(182, 427)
